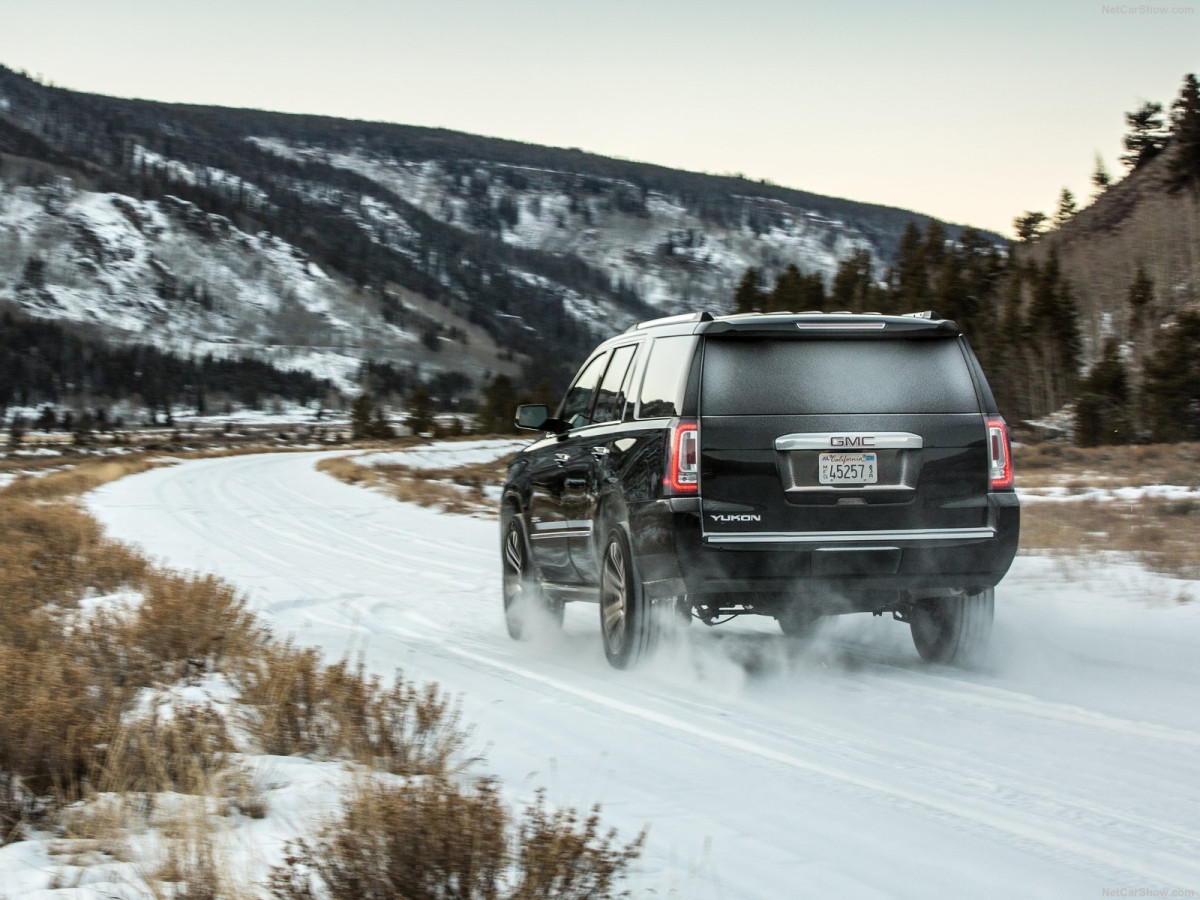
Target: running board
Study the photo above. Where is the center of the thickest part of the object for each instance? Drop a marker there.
(568, 593)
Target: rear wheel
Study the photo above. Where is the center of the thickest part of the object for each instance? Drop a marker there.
(954, 630)
(631, 626)
(525, 609)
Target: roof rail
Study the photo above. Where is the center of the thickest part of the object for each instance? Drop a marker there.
(924, 314)
(673, 320)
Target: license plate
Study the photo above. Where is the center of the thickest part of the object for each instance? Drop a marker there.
(848, 468)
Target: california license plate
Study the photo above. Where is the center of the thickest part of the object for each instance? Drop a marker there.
(849, 468)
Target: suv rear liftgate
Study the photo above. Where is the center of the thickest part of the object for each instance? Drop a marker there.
(812, 465)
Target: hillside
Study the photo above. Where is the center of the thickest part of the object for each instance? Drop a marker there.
(1136, 222)
(317, 243)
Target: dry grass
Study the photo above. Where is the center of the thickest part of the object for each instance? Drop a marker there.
(1161, 534)
(1056, 465)
(454, 490)
(434, 839)
(86, 746)
(297, 705)
(406, 485)
(70, 676)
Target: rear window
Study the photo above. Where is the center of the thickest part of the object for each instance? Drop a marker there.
(797, 377)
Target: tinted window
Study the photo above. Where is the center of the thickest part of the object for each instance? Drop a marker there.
(578, 401)
(666, 377)
(610, 401)
(772, 377)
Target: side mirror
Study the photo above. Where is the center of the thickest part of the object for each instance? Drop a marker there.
(536, 417)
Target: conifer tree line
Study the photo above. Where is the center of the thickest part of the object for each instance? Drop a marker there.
(1021, 313)
(42, 362)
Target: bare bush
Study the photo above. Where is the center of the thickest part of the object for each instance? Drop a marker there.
(300, 706)
(433, 839)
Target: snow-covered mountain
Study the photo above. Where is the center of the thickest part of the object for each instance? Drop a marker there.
(166, 273)
(317, 243)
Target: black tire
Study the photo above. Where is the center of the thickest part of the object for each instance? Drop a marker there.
(798, 622)
(631, 627)
(954, 630)
(524, 604)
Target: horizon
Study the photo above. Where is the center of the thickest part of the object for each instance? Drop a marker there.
(928, 109)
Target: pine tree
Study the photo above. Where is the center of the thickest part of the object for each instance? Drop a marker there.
(908, 279)
(1102, 411)
(854, 283)
(497, 407)
(1184, 165)
(1147, 135)
(789, 292)
(420, 411)
(1172, 384)
(749, 296)
(1140, 294)
(1053, 334)
(1066, 208)
(1029, 225)
(1100, 177)
(360, 417)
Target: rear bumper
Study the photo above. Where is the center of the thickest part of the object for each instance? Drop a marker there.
(674, 558)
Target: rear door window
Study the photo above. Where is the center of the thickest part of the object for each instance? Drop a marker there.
(610, 400)
(798, 377)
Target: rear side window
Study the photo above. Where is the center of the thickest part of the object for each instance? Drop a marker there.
(666, 377)
(797, 377)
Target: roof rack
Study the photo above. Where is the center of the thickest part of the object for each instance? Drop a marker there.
(924, 314)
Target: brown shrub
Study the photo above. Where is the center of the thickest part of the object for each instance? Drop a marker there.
(184, 749)
(54, 716)
(432, 839)
(187, 625)
(301, 706)
(435, 488)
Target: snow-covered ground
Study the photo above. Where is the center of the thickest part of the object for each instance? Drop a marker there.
(445, 454)
(1070, 767)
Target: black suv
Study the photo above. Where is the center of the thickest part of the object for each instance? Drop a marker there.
(788, 465)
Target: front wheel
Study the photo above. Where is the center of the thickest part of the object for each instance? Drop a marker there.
(525, 609)
(954, 630)
(631, 626)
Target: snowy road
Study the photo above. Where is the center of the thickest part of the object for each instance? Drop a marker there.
(1070, 768)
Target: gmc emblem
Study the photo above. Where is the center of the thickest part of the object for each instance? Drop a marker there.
(852, 440)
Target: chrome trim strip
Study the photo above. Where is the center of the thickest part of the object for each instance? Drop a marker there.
(850, 537)
(571, 528)
(849, 488)
(561, 533)
(881, 440)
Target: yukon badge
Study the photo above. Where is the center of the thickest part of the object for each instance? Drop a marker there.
(735, 517)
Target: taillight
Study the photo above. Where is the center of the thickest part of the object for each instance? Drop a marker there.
(1000, 469)
(683, 459)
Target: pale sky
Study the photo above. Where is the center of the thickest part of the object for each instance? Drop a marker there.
(972, 112)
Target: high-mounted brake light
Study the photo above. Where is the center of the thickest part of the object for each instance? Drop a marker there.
(683, 459)
(1000, 469)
